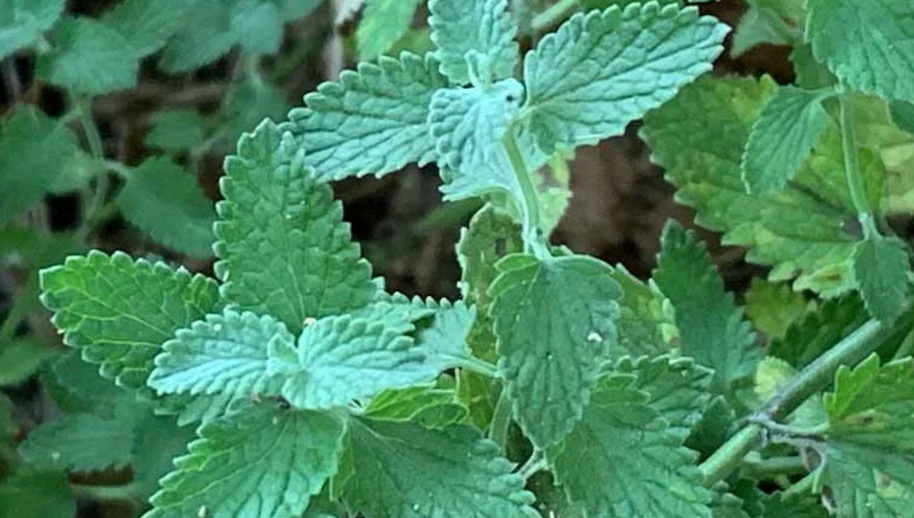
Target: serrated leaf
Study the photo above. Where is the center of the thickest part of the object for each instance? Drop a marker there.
(677, 388)
(20, 359)
(479, 29)
(773, 307)
(444, 339)
(880, 59)
(779, 505)
(383, 23)
(120, 311)
(89, 58)
(621, 460)
(341, 359)
(80, 442)
(604, 69)
(284, 248)
(870, 441)
(176, 130)
(166, 202)
(881, 267)
(31, 493)
(647, 321)
(699, 138)
(431, 407)
(903, 115)
(261, 460)
(468, 125)
(225, 353)
(147, 23)
(711, 325)
(754, 30)
(33, 150)
(373, 121)
(402, 470)
(788, 126)
(820, 329)
(492, 234)
(23, 21)
(554, 319)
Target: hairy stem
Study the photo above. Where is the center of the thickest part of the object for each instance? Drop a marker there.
(536, 463)
(476, 365)
(768, 468)
(96, 201)
(501, 420)
(852, 168)
(551, 16)
(531, 209)
(815, 377)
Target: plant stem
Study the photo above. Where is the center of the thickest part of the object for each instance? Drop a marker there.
(769, 468)
(852, 168)
(97, 199)
(501, 420)
(477, 365)
(536, 463)
(125, 492)
(815, 377)
(805, 485)
(531, 207)
(551, 16)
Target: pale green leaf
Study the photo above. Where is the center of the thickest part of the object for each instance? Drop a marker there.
(554, 319)
(774, 307)
(881, 58)
(258, 26)
(811, 74)
(492, 234)
(166, 202)
(30, 493)
(789, 125)
(33, 150)
(80, 442)
(772, 375)
(340, 359)
(148, 24)
(120, 311)
(403, 470)
(207, 39)
(468, 125)
(903, 115)
(621, 460)
(794, 10)
(373, 121)
(260, 461)
(89, 58)
(478, 393)
(711, 325)
(699, 138)
(176, 130)
(382, 24)
(284, 248)
(870, 441)
(753, 30)
(429, 406)
(481, 30)
(225, 353)
(882, 266)
(23, 21)
(444, 339)
(20, 359)
(605, 69)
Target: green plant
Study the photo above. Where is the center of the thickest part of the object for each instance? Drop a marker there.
(320, 393)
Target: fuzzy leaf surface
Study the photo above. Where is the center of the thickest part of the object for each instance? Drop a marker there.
(284, 248)
(788, 126)
(678, 389)
(711, 325)
(225, 353)
(483, 29)
(555, 321)
(261, 461)
(602, 70)
(373, 121)
(120, 311)
(401, 470)
(166, 202)
(882, 266)
(621, 460)
(881, 58)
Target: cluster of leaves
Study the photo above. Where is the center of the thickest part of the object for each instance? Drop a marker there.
(314, 391)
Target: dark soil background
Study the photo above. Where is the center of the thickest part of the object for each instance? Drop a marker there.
(619, 206)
